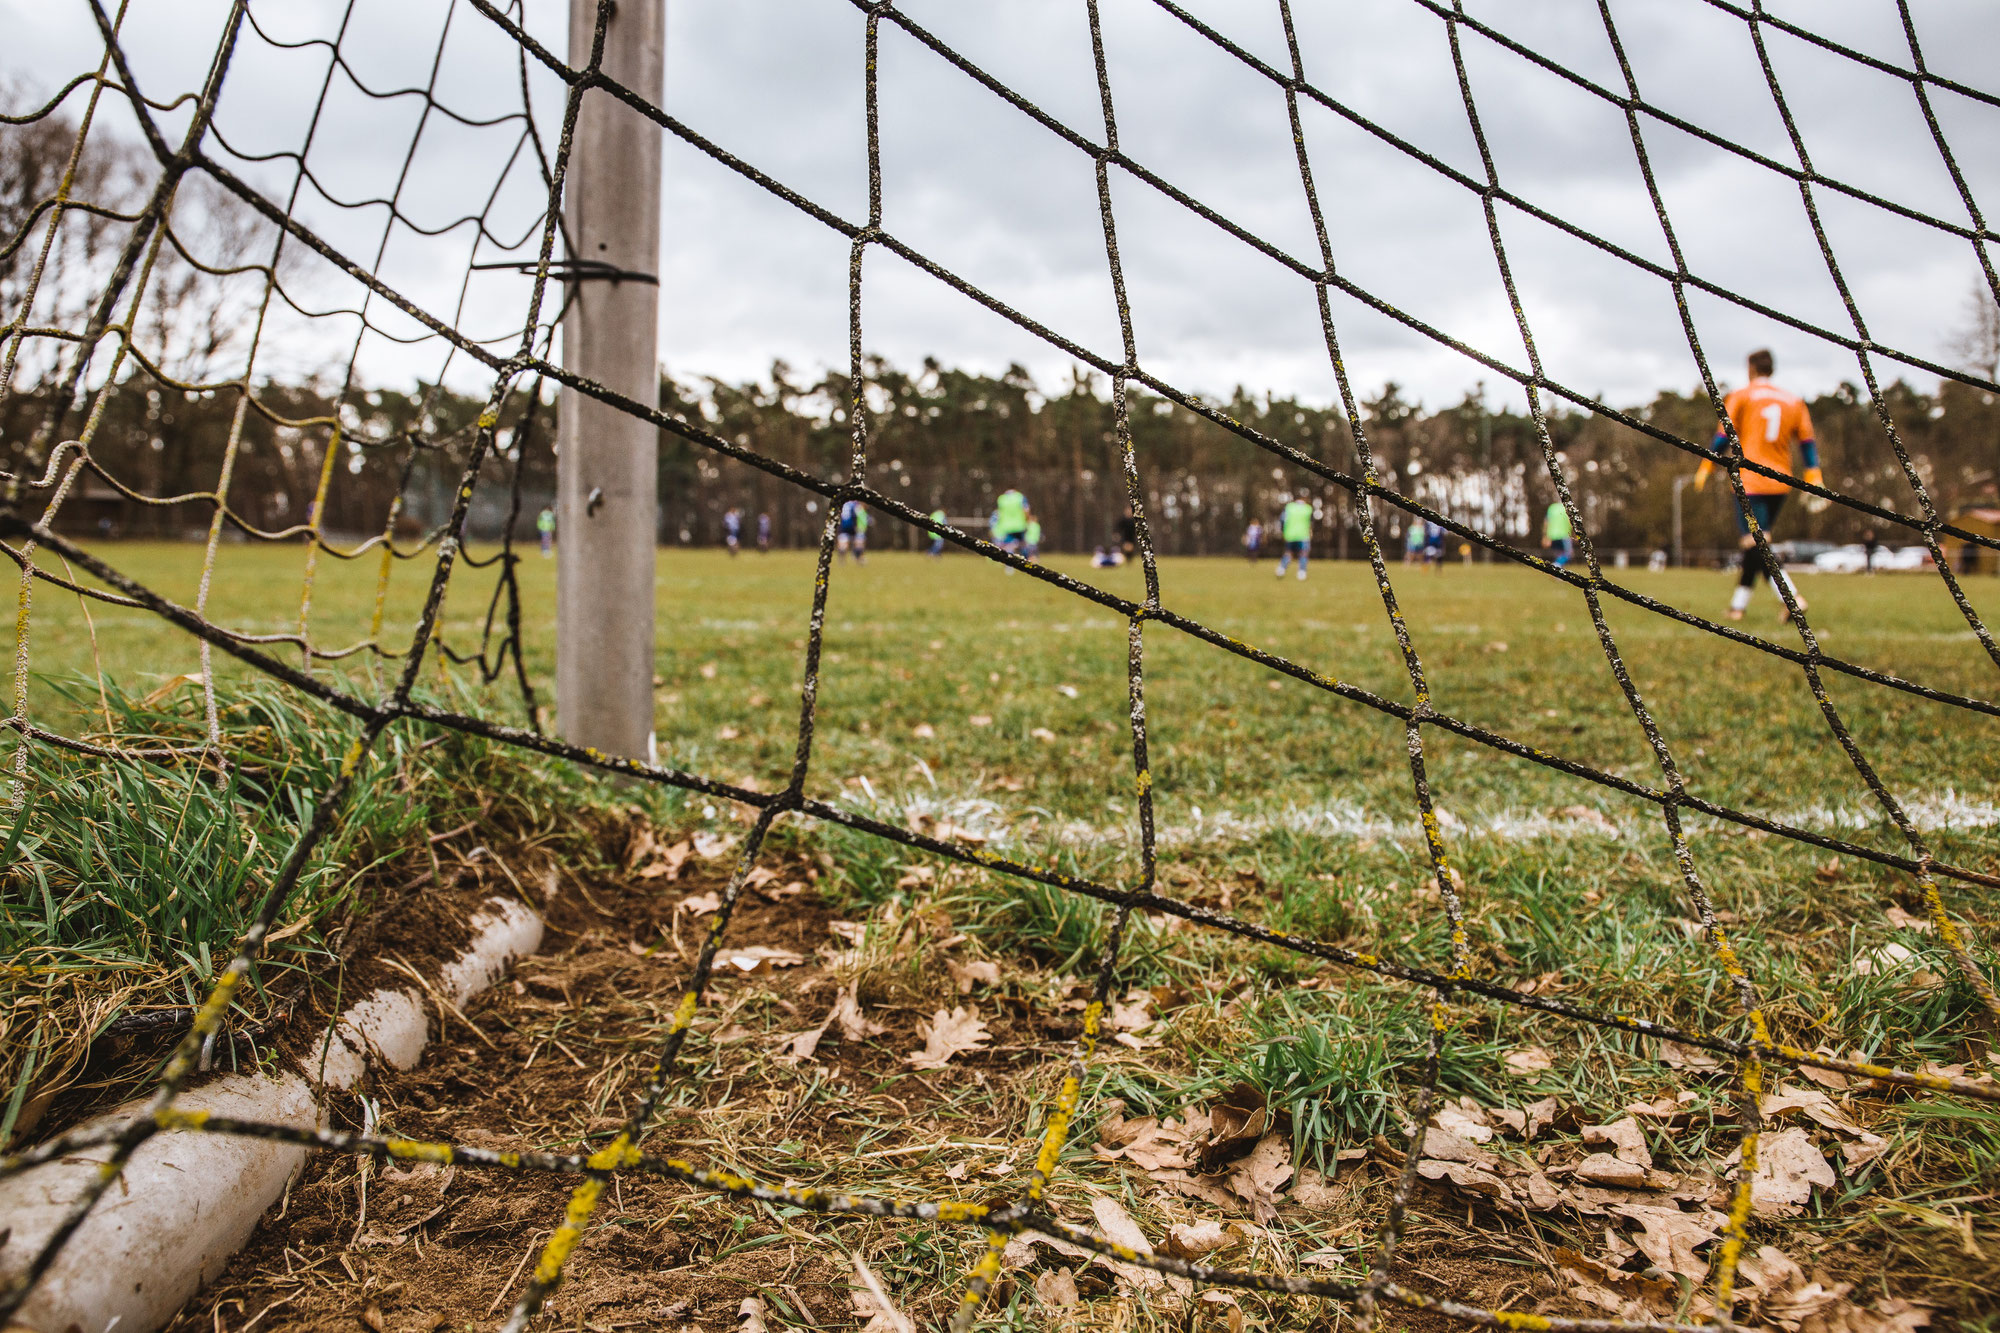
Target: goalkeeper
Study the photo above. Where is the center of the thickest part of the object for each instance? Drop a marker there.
(1769, 422)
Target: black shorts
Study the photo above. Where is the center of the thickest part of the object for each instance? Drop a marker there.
(1765, 507)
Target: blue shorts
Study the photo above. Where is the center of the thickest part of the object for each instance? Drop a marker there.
(1765, 507)
(1298, 548)
(1565, 547)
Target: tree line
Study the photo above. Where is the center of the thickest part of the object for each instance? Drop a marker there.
(942, 438)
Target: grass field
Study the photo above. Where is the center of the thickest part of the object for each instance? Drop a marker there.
(913, 642)
(995, 703)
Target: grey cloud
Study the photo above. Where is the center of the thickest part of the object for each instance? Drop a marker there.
(978, 186)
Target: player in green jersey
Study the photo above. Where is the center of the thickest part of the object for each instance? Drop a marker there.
(1295, 525)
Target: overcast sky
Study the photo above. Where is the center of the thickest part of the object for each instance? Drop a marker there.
(980, 188)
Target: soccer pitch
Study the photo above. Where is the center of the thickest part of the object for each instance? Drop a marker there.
(953, 678)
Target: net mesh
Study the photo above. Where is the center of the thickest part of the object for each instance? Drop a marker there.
(65, 364)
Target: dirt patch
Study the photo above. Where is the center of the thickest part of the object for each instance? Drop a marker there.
(554, 1058)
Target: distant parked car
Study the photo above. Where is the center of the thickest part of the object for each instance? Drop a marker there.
(1907, 557)
(1843, 560)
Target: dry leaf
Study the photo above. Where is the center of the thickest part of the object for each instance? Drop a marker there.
(1191, 1240)
(1627, 1295)
(751, 957)
(1601, 1168)
(847, 1015)
(1043, 734)
(1309, 1189)
(1625, 1139)
(924, 731)
(1893, 958)
(1066, 691)
(726, 733)
(1864, 1151)
(708, 670)
(1118, 1227)
(1788, 1166)
(948, 1034)
(973, 972)
(1540, 1115)
(874, 1302)
(1133, 1013)
(1444, 1146)
(980, 720)
(1677, 1056)
(1528, 1060)
(1670, 1237)
(701, 904)
(1902, 920)
(1465, 1125)
(1056, 1288)
(750, 1316)
(1236, 1121)
(1259, 1178)
(667, 861)
(1147, 1143)
(1466, 1177)
(1542, 1193)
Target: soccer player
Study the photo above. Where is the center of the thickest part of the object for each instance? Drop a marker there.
(1556, 534)
(1295, 525)
(1031, 538)
(1433, 547)
(1413, 541)
(1010, 520)
(763, 534)
(937, 542)
(851, 536)
(545, 524)
(1253, 540)
(732, 530)
(1769, 423)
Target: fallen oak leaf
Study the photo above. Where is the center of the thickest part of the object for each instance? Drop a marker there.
(749, 958)
(1788, 1166)
(948, 1033)
(1259, 1178)
(973, 972)
(1056, 1287)
(1465, 1125)
(1191, 1240)
(1669, 1237)
(1624, 1137)
(1528, 1060)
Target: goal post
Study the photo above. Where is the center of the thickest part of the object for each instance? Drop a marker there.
(607, 468)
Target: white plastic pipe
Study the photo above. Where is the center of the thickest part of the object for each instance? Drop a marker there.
(187, 1202)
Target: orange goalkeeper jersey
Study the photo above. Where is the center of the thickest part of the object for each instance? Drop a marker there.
(1769, 421)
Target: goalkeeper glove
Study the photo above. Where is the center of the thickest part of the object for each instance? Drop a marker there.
(1815, 477)
(1701, 474)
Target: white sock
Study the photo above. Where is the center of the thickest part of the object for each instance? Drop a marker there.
(1740, 598)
